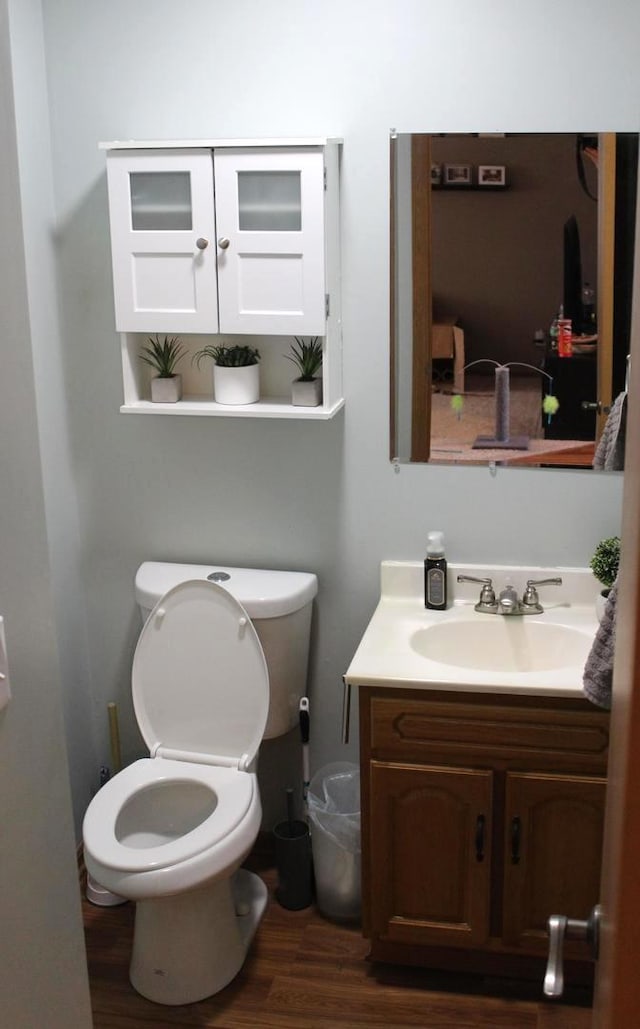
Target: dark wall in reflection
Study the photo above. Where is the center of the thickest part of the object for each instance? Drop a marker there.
(497, 257)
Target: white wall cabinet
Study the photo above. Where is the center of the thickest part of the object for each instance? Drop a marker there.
(227, 237)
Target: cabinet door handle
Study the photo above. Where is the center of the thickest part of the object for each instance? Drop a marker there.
(480, 824)
(346, 709)
(202, 243)
(516, 829)
(223, 242)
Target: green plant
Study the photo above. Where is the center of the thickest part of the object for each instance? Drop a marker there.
(163, 357)
(307, 357)
(228, 357)
(606, 561)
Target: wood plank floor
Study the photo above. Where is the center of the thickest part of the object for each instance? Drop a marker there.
(304, 972)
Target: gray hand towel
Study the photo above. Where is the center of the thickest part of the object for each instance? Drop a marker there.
(598, 670)
(609, 455)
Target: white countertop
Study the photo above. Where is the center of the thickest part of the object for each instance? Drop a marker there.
(385, 656)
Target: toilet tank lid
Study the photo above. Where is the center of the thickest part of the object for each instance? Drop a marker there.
(262, 592)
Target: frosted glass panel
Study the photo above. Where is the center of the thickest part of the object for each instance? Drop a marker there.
(160, 201)
(269, 201)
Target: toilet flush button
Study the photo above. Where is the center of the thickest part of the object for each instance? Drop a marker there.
(218, 577)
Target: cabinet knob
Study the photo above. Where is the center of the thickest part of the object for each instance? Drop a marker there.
(516, 829)
(223, 242)
(480, 826)
(202, 243)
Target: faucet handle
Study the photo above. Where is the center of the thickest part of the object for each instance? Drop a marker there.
(487, 600)
(530, 597)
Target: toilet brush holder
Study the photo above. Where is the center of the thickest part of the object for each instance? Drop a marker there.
(293, 861)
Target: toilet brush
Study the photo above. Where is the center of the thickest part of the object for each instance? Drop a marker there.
(304, 718)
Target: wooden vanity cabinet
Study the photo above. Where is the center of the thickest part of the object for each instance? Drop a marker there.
(481, 816)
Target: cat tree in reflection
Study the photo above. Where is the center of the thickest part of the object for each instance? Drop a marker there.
(502, 438)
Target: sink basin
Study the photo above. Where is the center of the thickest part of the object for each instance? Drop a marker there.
(406, 646)
(503, 644)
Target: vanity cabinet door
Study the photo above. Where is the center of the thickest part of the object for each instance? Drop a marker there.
(429, 853)
(270, 223)
(161, 210)
(554, 829)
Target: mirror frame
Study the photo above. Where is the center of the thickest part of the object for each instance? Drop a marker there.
(420, 218)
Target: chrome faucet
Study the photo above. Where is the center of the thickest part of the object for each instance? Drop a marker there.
(508, 602)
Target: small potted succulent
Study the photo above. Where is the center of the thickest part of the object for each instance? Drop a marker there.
(236, 375)
(306, 389)
(604, 564)
(166, 386)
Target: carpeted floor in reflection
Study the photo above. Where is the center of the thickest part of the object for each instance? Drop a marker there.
(478, 411)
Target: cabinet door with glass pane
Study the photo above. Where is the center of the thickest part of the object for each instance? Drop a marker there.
(270, 240)
(163, 240)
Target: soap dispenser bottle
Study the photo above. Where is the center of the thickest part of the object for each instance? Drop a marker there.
(435, 573)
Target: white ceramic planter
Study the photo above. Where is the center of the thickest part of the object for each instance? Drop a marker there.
(167, 390)
(236, 386)
(306, 394)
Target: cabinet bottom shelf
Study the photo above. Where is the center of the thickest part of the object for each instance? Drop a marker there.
(266, 407)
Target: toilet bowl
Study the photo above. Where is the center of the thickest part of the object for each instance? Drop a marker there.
(170, 831)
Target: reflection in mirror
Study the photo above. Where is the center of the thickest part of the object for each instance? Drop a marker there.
(511, 271)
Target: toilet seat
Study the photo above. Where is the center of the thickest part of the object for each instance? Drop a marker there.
(200, 683)
(201, 694)
(233, 792)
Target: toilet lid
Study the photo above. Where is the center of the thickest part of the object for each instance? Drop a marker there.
(199, 682)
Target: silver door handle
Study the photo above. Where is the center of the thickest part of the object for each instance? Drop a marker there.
(560, 929)
(202, 243)
(595, 405)
(223, 242)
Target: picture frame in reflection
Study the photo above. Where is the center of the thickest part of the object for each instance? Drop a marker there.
(456, 175)
(492, 175)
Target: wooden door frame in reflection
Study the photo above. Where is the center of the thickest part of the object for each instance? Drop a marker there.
(421, 293)
(606, 262)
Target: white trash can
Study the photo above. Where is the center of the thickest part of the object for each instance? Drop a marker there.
(334, 811)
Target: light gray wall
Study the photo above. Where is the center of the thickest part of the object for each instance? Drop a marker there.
(43, 980)
(60, 487)
(319, 496)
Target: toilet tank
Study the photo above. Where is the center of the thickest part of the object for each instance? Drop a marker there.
(279, 605)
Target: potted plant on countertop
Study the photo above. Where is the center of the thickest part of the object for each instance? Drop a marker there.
(605, 564)
(166, 386)
(236, 375)
(306, 390)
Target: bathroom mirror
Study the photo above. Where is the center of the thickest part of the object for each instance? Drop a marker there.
(493, 236)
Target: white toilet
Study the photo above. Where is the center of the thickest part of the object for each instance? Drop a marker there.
(170, 831)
